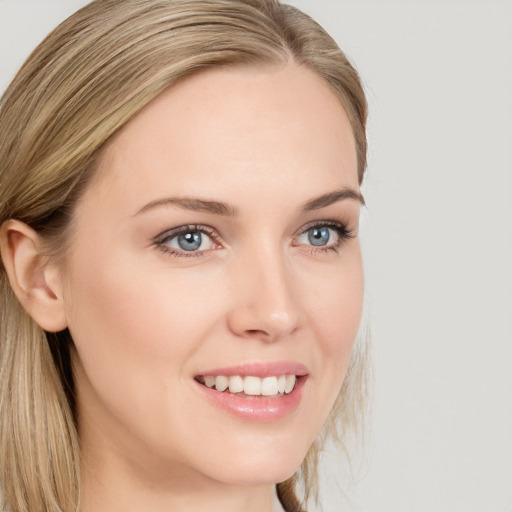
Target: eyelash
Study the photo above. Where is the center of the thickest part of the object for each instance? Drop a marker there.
(162, 239)
(343, 232)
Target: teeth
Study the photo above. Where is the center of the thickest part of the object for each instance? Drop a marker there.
(221, 383)
(281, 383)
(254, 386)
(236, 384)
(290, 383)
(269, 386)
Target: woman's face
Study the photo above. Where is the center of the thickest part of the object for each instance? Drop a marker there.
(217, 243)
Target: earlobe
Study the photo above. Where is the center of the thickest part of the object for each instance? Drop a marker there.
(35, 282)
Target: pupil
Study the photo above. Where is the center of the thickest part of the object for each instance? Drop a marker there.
(319, 236)
(189, 241)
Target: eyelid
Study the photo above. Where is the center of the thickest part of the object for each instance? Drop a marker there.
(343, 233)
(341, 227)
(187, 228)
(160, 240)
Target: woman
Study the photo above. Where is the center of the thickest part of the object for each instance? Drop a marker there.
(182, 279)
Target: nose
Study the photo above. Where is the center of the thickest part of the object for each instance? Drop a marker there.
(264, 305)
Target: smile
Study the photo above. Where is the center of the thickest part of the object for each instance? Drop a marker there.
(255, 392)
(250, 385)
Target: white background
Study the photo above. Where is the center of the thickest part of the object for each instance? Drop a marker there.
(437, 239)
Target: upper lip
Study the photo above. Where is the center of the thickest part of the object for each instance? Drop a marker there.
(260, 369)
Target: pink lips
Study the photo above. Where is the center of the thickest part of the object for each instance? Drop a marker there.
(257, 408)
(260, 370)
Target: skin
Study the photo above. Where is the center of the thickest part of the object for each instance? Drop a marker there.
(145, 321)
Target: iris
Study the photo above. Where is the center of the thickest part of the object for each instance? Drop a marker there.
(318, 236)
(190, 241)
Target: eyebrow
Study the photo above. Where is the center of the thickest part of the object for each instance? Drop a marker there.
(225, 209)
(190, 203)
(333, 197)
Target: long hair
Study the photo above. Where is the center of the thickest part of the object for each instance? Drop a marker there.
(87, 79)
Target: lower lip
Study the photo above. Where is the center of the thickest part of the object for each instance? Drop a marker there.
(256, 408)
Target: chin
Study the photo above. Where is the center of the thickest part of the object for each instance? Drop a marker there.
(256, 474)
(261, 466)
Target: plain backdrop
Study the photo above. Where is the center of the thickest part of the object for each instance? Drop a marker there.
(437, 238)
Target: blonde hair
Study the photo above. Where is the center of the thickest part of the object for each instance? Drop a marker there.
(88, 78)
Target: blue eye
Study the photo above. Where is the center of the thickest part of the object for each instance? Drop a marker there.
(190, 241)
(187, 240)
(324, 236)
(319, 236)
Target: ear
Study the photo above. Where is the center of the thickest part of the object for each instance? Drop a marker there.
(36, 282)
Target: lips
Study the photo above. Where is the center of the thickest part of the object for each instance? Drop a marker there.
(255, 391)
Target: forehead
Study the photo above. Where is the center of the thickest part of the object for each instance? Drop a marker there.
(263, 125)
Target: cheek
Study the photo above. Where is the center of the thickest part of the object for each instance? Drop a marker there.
(133, 331)
(136, 333)
(134, 307)
(335, 306)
